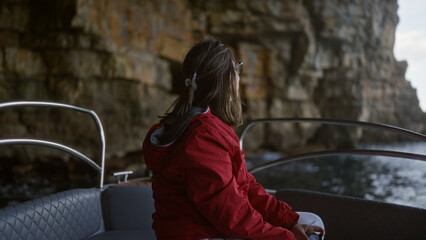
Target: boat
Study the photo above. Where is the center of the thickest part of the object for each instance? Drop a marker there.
(123, 210)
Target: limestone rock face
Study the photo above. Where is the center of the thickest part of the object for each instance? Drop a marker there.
(329, 59)
(323, 58)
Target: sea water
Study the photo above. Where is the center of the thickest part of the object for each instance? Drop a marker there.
(388, 179)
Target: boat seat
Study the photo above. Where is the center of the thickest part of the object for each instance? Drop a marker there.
(115, 213)
(74, 215)
(127, 213)
(126, 234)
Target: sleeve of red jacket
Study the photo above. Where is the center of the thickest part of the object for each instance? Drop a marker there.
(275, 212)
(217, 196)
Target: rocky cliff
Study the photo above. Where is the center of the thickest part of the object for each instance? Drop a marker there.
(122, 58)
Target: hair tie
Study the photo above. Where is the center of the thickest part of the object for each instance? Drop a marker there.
(192, 82)
(193, 85)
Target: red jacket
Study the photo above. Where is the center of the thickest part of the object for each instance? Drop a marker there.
(202, 188)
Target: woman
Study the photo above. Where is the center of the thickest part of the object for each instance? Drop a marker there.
(201, 186)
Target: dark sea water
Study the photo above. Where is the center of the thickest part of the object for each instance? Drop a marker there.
(387, 179)
(392, 180)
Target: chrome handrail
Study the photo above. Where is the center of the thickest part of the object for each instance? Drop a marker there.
(384, 127)
(59, 146)
(299, 157)
(5, 142)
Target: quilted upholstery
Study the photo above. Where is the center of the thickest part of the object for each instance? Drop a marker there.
(73, 214)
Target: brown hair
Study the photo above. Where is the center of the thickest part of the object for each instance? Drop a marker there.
(213, 64)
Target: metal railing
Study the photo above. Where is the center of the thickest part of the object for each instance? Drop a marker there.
(100, 169)
(298, 157)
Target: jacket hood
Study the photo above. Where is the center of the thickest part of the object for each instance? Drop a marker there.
(160, 139)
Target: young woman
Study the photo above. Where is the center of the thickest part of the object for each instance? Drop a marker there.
(201, 186)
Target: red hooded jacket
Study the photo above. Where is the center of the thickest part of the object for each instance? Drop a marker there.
(202, 189)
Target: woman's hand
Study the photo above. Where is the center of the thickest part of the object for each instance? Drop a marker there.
(302, 231)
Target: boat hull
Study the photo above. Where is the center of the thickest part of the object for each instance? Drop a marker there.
(355, 218)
